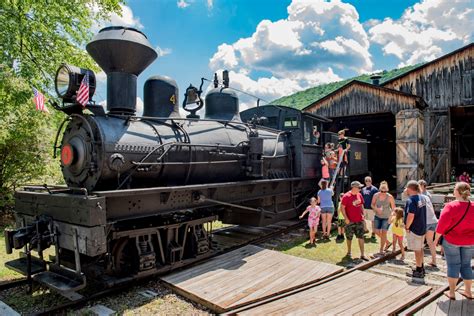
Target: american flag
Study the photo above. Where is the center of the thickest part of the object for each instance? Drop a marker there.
(39, 101)
(83, 92)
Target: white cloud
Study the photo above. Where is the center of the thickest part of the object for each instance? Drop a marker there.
(309, 47)
(268, 89)
(163, 51)
(125, 18)
(426, 30)
(101, 76)
(182, 4)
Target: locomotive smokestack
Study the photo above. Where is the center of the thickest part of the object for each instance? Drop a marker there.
(123, 53)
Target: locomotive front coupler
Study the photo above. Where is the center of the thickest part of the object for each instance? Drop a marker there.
(38, 235)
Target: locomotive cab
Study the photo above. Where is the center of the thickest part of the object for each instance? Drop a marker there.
(304, 131)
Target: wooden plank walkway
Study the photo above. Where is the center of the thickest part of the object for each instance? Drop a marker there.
(356, 293)
(245, 276)
(444, 306)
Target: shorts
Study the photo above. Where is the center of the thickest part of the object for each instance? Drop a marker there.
(431, 227)
(356, 229)
(414, 241)
(380, 223)
(369, 214)
(397, 238)
(327, 210)
(341, 222)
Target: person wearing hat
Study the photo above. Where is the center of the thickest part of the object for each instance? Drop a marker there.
(352, 207)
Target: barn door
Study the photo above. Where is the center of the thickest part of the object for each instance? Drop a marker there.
(409, 142)
(437, 149)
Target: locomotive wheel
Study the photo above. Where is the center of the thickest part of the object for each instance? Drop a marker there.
(125, 257)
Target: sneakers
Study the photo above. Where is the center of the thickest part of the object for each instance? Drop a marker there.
(416, 273)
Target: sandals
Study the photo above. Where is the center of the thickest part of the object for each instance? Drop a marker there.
(364, 258)
(465, 295)
(446, 293)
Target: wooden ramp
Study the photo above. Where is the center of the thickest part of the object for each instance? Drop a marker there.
(356, 293)
(245, 276)
(444, 306)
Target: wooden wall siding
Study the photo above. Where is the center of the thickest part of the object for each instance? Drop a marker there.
(444, 83)
(359, 99)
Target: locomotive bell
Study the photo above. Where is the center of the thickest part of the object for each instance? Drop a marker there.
(160, 97)
(123, 53)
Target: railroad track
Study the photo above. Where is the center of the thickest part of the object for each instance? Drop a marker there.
(232, 238)
(224, 240)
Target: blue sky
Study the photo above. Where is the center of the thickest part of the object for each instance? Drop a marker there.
(277, 47)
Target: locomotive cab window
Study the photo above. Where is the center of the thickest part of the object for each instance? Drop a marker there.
(291, 122)
(311, 132)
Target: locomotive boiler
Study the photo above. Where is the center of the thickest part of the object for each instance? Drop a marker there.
(141, 190)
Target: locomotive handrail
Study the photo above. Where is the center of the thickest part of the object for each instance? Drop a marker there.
(175, 144)
(276, 145)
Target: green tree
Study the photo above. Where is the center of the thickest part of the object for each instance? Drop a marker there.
(36, 36)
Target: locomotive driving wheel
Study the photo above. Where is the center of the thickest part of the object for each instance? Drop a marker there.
(125, 257)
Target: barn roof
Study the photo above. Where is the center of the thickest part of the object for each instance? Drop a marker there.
(366, 99)
(430, 63)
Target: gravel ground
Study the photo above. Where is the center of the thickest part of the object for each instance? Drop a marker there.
(132, 302)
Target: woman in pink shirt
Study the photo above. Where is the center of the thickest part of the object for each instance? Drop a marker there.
(456, 225)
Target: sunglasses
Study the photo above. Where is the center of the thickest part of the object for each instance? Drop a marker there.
(383, 191)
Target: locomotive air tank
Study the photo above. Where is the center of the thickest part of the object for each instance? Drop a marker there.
(118, 150)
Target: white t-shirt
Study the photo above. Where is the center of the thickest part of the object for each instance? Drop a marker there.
(430, 213)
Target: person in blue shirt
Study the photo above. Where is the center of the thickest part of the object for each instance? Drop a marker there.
(327, 207)
(368, 193)
(415, 225)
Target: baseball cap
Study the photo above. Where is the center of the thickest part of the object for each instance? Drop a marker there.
(356, 184)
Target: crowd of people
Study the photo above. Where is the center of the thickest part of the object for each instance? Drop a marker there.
(417, 223)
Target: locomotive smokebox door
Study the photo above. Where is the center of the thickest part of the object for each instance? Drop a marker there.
(255, 157)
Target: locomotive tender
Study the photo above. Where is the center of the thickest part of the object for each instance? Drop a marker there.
(142, 191)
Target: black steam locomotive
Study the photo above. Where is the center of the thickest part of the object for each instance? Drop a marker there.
(141, 190)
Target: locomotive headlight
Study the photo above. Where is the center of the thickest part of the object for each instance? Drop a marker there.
(68, 80)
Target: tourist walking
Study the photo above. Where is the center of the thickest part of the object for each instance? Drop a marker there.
(398, 230)
(431, 221)
(383, 204)
(415, 225)
(327, 207)
(313, 219)
(368, 193)
(456, 225)
(352, 207)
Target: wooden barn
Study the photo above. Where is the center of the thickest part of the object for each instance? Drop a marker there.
(419, 124)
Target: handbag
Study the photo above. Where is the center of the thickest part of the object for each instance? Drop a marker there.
(441, 239)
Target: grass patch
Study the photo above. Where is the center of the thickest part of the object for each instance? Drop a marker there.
(327, 250)
(5, 273)
(219, 224)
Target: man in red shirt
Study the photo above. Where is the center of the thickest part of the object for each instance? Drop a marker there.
(352, 207)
